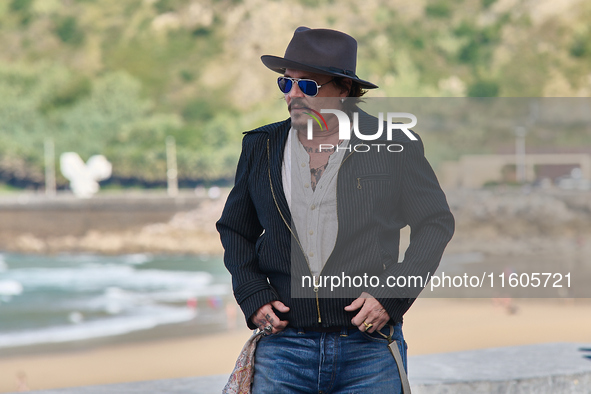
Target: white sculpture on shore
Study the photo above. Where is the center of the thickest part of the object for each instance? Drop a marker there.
(83, 177)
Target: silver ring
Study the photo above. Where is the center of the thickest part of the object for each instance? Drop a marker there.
(269, 328)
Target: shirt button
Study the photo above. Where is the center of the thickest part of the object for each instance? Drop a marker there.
(303, 164)
(311, 232)
(313, 207)
(311, 254)
(307, 185)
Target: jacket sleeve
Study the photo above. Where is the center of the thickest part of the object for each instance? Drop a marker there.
(239, 229)
(424, 208)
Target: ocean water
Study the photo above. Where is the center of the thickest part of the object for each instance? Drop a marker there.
(70, 297)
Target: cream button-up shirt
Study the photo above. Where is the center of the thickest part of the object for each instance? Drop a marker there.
(313, 212)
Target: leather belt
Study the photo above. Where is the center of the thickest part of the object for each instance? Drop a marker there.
(328, 329)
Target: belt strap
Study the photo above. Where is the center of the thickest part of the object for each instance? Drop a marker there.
(393, 346)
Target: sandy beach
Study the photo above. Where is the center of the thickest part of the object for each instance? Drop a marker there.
(431, 326)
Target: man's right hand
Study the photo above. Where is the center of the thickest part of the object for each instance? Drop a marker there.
(266, 317)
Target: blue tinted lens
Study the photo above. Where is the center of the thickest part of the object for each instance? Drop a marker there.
(285, 84)
(308, 87)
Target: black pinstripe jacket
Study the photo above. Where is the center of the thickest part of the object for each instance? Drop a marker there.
(378, 193)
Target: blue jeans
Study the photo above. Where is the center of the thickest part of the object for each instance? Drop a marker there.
(298, 361)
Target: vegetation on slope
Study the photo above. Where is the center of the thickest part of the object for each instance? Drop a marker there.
(117, 76)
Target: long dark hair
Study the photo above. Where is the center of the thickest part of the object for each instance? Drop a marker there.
(354, 96)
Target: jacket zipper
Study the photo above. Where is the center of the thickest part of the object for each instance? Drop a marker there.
(290, 230)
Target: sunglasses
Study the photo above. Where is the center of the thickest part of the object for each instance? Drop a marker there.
(308, 86)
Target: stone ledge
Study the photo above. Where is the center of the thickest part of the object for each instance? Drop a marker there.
(545, 368)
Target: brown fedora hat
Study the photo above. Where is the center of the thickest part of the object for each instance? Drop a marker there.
(322, 51)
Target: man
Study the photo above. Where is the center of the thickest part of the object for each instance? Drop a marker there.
(306, 205)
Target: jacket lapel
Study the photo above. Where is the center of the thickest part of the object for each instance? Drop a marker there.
(276, 147)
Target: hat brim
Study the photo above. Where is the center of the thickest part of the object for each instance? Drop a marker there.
(279, 65)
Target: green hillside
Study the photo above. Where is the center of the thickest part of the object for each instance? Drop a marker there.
(117, 76)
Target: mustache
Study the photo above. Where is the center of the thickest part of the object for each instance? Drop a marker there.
(296, 103)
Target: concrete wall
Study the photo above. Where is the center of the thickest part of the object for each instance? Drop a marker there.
(66, 215)
(473, 171)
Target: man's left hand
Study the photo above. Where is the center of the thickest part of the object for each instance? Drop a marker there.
(371, 313)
